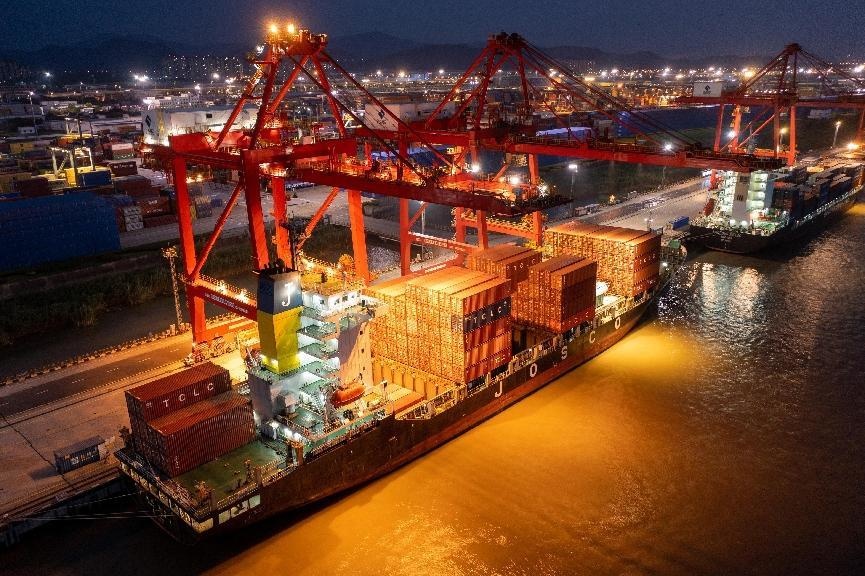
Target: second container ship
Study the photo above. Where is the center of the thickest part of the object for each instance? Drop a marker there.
(756, 211)
(354, 382)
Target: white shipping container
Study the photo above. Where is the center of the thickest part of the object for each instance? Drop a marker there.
(708, 89)
(377, 118)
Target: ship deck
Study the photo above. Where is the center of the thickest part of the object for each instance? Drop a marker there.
(225, 475)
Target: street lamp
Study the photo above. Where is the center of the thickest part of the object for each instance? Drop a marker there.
(574, 168)
(32, 112)
(835, 137)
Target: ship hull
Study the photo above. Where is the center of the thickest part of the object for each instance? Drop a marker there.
(396, 442)
(739, 243)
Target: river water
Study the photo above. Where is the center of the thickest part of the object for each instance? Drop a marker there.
(725, 435)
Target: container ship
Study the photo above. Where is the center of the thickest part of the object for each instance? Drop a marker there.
(352, 383)
(756, 211)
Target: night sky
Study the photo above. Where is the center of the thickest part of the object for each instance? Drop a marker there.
(833, 28)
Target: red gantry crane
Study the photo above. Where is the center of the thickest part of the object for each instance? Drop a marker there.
(795, 78)
(467, 119)
(344, 163)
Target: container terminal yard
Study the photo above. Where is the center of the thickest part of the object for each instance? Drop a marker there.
(520, 283)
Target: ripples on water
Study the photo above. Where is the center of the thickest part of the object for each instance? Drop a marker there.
(724, 436)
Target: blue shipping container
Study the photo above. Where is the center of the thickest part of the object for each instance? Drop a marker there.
(37, 231)
(679, 222)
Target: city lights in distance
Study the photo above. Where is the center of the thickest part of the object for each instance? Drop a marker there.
(852, 146)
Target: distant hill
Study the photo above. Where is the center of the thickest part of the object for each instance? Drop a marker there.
(360, 52)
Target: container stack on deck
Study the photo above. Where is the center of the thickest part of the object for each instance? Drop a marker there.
(189, 418)
(455, 323)
(506, 261)
(803, 189)
(558, 294)
(629, 260)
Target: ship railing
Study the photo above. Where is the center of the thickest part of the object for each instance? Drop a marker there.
(608, 312)
(296, 427)
(172, 494)
(240, 494)
(435, 405)
(342, 438)
(278, 474)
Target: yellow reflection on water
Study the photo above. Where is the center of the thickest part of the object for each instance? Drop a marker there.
(857, 210)
(567, 465)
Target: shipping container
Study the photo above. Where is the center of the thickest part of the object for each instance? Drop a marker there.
(35, 231)
(123, 167)
(169, 393)
(200, 433)
(79, 454)
(679, 222)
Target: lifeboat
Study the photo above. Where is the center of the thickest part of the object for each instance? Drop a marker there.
(346, 395)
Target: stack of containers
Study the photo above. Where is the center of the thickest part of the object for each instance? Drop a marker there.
(187, 419)
(628, 260)
(155, 211)
(856, 172)
(455, 323)
(32, 187)
(123, 168)
(558, 294)
(388, 331)
(37, 231)
(203, 206)
(119, 150)
(136, 186)
(132, 218)
(506, 261)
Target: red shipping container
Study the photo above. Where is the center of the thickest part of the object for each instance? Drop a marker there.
(169, 393)
(153, 205)
(197, 434)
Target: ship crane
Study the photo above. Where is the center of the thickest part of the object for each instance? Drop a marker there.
(793, 79)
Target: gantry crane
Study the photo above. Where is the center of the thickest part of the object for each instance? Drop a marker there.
(267, 152)
(780, 87)
(477, 124)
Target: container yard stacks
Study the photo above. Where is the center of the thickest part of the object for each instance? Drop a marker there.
(175, 419)
(36, 231)
(454, 324)
(628, 260)
(558, 294)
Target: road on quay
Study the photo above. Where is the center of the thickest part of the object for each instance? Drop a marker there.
(53, 390)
